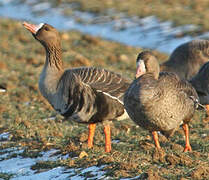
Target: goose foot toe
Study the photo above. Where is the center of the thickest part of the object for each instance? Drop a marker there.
(187, 148)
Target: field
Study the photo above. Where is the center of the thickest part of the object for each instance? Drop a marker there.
(34, 125)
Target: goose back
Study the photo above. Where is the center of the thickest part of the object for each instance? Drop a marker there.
(187, 58)
(108, 82)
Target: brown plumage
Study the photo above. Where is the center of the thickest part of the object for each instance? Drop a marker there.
(159, 101)
(201, 84)
(86, 94)
(187, 58)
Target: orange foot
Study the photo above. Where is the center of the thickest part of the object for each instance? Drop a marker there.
(155, 137)
(91, 135)
(187, 148)
(107, 138)
(207, 110)
(187, 144)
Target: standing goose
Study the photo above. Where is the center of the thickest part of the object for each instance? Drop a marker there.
(86, 94)
(201, 84)
(187, 58)
(159, 101)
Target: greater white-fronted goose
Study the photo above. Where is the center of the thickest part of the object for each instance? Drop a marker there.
(187, 58)
(160, 101)
(86, 94)
(201, 84)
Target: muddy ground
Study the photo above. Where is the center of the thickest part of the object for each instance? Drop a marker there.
(34, 125)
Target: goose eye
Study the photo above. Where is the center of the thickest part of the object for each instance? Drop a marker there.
(46, 28)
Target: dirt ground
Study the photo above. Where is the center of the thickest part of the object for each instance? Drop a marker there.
(34, 124)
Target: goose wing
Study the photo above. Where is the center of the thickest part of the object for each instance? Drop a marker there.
(84, 90)
(107, 82)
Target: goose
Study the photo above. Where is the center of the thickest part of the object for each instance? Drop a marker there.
(201, 84)
(85, 94)
(187, 59)
(160, 101)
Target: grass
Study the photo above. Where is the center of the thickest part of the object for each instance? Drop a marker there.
(6, 176)
(26, 114)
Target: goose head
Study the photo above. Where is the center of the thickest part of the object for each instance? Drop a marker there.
(146, 62)
(46, 34)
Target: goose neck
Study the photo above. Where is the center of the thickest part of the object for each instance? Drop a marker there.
(54, 57)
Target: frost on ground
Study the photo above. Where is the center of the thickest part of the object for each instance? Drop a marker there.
(12, 162)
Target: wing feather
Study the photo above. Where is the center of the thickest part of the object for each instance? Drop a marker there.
(103, 80)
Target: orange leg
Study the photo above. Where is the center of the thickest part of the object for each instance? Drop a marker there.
(186, 131)
(91, 135)
(207, 109)
(107, 138)
(155, 137)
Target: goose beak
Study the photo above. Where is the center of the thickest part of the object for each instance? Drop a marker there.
(32, 27)
(140, 70)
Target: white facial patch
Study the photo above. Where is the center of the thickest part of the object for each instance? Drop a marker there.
(140, 70)
(140, 64)
(39, 27)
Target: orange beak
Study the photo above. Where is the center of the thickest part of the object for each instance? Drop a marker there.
(32, 27)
